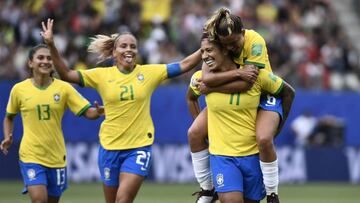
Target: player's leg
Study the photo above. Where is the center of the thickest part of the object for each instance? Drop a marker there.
(35, 181)
(233, 197)
(110, 193)
(197, 135)
(228, 178)
(268, 119)
(129, 187)
(253, 179)
(56, 183)
(109, 172)
(134, 168)
(38, 193)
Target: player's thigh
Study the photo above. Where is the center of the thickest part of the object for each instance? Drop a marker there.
(268, 118)
(267, 123)
(129, 186)
(38, 193)
(199, 126)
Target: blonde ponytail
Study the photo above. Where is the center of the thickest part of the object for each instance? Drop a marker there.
(223, 23)
(103, 45)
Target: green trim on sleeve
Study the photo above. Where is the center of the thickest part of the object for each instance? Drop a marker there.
(10, 114)
(280, 88)
(83, 110)
(82, 83)
(259, 65)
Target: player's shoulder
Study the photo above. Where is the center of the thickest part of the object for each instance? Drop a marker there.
(22, 84)
(252, 35)
(148, 66)
(63, 84)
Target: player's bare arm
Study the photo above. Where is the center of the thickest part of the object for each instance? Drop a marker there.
(8, 136)
(287, 95)
(212, 79)
(60, 66)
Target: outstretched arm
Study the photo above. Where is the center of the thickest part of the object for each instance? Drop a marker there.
(287, 95)
(193, 103)
(8, 137)
(190, 61)
(60, 66)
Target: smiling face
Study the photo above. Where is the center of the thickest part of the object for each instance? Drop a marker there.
(125, 51)
(41, 62)
(234, 42)
(212, 54)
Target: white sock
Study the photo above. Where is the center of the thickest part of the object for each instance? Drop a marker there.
(271, 176)
(201, 165)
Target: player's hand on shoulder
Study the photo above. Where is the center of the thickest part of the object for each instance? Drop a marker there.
(249, 73)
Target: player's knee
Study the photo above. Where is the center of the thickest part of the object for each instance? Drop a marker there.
(264, 140)
(194, 134)
(39, 200)
(123, 199)
(231, 199)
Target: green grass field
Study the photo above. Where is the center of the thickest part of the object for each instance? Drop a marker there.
(181, 193)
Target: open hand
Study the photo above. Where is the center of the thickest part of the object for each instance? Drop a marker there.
(47, 32)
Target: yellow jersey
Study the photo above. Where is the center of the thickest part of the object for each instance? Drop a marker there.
(126, 99)
(254, 51)
(232, 117)
(41, 111)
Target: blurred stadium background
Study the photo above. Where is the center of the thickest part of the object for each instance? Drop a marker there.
(313, 44)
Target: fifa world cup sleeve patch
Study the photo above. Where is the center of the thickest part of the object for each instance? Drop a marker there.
(256, 50)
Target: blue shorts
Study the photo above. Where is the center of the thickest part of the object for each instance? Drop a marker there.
(55, 179)
(113, 162)
(242, 174)
(269, 102)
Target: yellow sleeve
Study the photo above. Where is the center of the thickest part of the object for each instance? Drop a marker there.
(75, 101)
(13, 105)
(193, 82)
(90, 78)
(258, 52)
(269, 82)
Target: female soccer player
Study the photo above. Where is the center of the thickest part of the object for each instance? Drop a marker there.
(247, 48)
(234, 155)
(127, 133)
(42, 101)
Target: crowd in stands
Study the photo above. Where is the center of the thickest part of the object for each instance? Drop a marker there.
(306, 44)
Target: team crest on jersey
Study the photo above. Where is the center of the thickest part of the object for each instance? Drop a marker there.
(56, 97)
(31, 174)
(107, 173)
(140, 77)
(256, 50)
(220, 179)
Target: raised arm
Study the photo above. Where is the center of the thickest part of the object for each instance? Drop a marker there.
(60, 66)
(287, 95)
(213, 79)
(193, 103)
(8, 130)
